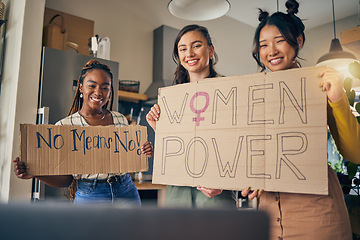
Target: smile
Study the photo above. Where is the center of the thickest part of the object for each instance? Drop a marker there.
(96, 99)
(192, 62)
(276, 61)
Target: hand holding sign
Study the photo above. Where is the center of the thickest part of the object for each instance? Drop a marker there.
(251, 194)
(21, 169)
(147, 149)
(153, 116)
(209, 192)
(332, 83)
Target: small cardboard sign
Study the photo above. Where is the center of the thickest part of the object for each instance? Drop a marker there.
(267, 131)
(63, 150)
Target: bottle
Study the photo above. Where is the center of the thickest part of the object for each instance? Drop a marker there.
(104, 48)
(138, 177)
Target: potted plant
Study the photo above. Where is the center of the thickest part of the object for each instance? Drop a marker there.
(348, 172)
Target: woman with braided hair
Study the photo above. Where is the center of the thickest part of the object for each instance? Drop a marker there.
(277, 42)
(89, 108)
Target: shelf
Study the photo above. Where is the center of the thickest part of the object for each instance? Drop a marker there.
(351, 39)
(161, 191)
(149, 186)
(131, 96)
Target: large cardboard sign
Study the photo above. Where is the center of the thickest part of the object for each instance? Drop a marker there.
(62, 150)
(266, 131)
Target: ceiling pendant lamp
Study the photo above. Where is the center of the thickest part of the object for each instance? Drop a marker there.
(336, 57)
(199, 10)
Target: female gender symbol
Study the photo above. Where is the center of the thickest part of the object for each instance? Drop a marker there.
(197, 111)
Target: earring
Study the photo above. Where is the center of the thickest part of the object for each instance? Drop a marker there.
(81, 95)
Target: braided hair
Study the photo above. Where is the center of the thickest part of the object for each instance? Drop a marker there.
(78, 102)
(289, 25)
(181, 74)
(89, 66)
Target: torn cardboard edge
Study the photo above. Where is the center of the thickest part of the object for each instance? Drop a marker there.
(266, 130)
(64, 150)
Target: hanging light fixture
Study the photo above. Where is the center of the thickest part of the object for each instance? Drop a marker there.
(199, 10)
(336, 57)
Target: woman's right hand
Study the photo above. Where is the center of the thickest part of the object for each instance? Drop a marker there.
(332, 83)
(153, 116)
(20, 169)
(251, 194)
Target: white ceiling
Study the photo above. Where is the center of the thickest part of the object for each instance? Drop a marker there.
(313, 12)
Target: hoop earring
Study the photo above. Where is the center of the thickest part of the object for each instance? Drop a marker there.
(296, 62)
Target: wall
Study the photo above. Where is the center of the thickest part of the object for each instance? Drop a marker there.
(318, 39)
(130, 25)
(19, 88)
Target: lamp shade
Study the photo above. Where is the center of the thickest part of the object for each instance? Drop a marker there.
(339, 60)
(198, 10)
(336, 52)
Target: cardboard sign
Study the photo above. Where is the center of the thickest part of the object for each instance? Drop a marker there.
(63, 150)
(267, 131)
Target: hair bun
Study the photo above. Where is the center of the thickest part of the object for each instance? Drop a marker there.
(263, 15)
(292, 6)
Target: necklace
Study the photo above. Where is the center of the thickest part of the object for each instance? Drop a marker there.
(95, 120)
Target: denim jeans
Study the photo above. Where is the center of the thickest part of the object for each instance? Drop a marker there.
(121, 192)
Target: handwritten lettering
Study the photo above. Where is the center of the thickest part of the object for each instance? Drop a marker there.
(39, 136)
(81, 141)
(261, 130)
(174, 146)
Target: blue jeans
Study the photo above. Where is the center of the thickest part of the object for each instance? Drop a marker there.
(122, 192)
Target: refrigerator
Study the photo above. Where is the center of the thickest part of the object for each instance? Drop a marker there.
(60, 71)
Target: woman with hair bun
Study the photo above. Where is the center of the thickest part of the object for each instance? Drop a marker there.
(277, 42)
(90, 108)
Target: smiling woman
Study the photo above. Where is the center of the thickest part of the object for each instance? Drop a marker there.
(89, 108)
(195, 55)
(95, 90)
(277, 41)
(277, 53)
(194, 43)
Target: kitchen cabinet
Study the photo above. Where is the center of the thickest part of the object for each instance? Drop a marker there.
(78, 30)
(351, 39)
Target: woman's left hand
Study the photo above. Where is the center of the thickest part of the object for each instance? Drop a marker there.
(210, 192)
(147, 149)
(252, 194)
(332, 83)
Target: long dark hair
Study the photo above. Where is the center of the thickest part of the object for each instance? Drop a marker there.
(181, 74)
(289, 25)
(89, 66)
